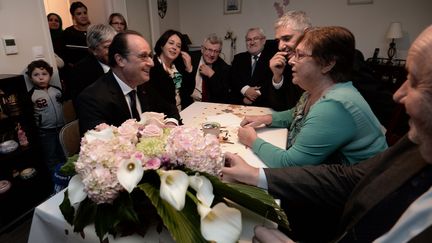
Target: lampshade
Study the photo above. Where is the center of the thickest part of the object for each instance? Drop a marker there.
(395, 31)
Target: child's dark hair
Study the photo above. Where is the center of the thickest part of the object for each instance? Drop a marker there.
(38, 64)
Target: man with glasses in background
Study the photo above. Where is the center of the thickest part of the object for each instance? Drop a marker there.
(118, 94)
(210, 72)
(250, 73)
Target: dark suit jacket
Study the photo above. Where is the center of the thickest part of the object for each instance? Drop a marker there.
(241, 75)
(104, 102)
(324, 202)
(277, 99)
(162, 85)
(84, 73)
(217, 88)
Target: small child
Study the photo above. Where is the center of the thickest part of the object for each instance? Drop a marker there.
(48, 112)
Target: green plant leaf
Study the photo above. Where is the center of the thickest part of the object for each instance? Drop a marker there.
(105, 219)
(184, 226)
(67, 210)
(85, 214)
(68, 169)
(253, 198)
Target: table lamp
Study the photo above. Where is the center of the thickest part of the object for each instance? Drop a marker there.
(394, 32)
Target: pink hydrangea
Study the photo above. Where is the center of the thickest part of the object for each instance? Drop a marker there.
(104, 148)
(190, 147)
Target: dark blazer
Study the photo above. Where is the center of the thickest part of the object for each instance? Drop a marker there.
(162, 85)
(84, 73)
(324, 202)
(104, 102)
(278, 99)
(217, 88)
(241, 69)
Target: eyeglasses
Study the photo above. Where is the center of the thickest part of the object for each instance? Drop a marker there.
(257, 38)
(299, 55)
(142, 56)
(118, 23)
(211, 51)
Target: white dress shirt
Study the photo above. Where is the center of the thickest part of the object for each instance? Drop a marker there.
(413, 221)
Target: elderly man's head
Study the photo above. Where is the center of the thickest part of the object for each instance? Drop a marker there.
(416, 93)
(130, 58)
(99, 38)
(255, 40)
(289, 28)
(211, 48)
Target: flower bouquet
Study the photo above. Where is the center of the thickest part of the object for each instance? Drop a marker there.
(142, 174)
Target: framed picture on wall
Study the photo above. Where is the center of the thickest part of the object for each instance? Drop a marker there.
(232, 6)
(358, 2)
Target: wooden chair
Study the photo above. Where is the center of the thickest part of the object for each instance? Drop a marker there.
(69, 111)
(70, 138)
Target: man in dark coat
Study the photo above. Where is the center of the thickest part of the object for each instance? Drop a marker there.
(210, 72)
(108, 99)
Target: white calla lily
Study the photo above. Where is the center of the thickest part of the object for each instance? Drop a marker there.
(130, 173)
(174, 184)
(104, 135)
(76, 191)
(204, 189)
(221, 224)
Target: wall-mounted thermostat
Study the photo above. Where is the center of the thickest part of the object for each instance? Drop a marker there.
(9, 45)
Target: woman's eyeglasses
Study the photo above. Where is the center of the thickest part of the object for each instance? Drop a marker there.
(299, 55)
(118, 23)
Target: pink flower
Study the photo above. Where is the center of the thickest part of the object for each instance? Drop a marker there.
(152, 130)
(101, 127)
(153, 164)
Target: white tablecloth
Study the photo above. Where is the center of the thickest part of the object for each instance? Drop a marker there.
(49, 226)
(229, 116)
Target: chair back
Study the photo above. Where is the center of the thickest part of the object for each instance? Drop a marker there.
(70, 138)
(69, 111)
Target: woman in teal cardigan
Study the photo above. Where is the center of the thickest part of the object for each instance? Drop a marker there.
(331, 123)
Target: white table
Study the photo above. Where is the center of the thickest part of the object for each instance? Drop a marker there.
(229, 116)
(48, 224)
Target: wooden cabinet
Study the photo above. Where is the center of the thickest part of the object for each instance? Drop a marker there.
(27, 189)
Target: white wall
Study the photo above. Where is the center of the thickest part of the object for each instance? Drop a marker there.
(368, 23)
(27, 22)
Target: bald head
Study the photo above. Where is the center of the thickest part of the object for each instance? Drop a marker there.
(416, 93)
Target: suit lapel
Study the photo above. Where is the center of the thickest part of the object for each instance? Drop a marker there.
(383, 180)
(117, 98)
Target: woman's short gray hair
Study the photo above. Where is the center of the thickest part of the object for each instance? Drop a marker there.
(96, 34)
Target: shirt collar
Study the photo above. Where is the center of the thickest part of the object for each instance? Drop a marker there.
(123, 86)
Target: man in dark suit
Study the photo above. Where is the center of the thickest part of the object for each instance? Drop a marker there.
(93, 66)
(361, 202)
(111, 98)
(250, 72)
(288, 30)
(210, 72)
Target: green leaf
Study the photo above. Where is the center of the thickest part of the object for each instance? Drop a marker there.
(125, 208)
(85, 215)
(68, 169)
(66, 209)
(253, 198)
(105, 219)
(184, 226)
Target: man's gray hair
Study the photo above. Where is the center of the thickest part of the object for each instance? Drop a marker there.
(294, 19)
(260, 31)
(96, 34)
(213, 39)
